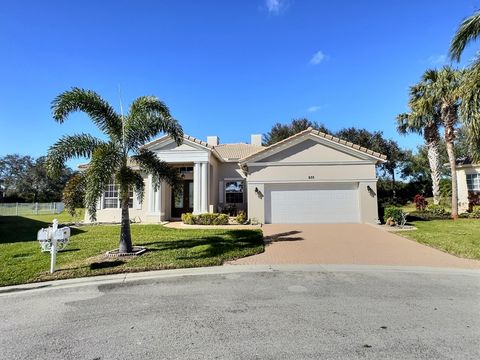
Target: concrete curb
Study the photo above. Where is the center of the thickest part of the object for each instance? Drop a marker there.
(221, 270)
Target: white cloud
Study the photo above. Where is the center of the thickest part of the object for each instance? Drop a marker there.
(317, 58)
(274, 6)
(314, 108)
(437, 59)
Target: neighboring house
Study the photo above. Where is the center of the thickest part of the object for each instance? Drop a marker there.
(468, 179)
(310, 177)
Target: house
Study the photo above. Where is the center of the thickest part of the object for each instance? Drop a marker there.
(310, 177)
(468, 181)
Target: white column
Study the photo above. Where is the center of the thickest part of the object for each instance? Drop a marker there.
(196, 189)
(204, 182)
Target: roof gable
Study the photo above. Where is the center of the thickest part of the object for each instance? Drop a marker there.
(309, 150)
(331, 144)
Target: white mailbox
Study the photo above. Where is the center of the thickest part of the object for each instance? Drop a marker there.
(53, 239)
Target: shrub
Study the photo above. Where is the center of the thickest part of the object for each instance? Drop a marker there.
(475, 214)
(394, 212)
(187, 218)
(205, 219)
(241, 218)
(437, 210)
(420, 202)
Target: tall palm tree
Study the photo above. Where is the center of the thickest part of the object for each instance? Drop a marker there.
(442, 94)
(468, 31)
(111, 159)
(427, 124)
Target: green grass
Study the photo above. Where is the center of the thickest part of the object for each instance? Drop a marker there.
(458, 237)
(23, 262)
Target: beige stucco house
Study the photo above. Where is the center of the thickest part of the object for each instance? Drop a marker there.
(310, 177)
(468, 180)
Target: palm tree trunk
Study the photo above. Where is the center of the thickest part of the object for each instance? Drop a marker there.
(125, 245)
(453, 169)
(434, 162)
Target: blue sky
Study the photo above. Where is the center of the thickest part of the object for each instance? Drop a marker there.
(228, 68)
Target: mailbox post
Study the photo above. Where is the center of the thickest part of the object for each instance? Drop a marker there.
(52, 240)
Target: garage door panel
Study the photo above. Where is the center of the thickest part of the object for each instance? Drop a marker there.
(312, 203)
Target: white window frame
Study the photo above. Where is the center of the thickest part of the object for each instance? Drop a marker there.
(119, 205)
(475, 178)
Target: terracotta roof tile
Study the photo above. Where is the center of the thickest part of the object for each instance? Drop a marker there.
(236, 151)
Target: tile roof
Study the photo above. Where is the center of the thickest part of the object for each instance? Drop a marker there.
(323, 135)
(236, 151)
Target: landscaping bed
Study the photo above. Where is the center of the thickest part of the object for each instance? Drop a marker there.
(23, 262)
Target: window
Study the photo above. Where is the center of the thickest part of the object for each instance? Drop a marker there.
(234, 192)
(185, 170)
(111, 199)
(473, 182)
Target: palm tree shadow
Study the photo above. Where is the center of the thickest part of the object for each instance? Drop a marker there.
(285, 236)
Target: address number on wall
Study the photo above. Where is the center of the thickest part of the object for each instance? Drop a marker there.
(311, 177)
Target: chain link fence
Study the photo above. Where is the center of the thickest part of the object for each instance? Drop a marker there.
(17, 209)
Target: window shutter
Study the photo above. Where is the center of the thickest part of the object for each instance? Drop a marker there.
(221, 190)
(99, 203)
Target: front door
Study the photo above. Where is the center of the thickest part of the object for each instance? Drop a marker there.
(182, 199)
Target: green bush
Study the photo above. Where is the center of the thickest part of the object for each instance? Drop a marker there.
(393, 212)
(205, 219)
(187, 218)
(475, 214)
(241, 218)
(425, 215)
(437, 210)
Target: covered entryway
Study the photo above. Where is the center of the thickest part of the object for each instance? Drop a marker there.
(312, 203)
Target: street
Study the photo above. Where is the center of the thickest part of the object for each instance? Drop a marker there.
(289, 312)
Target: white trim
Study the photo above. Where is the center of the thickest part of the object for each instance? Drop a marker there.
(315, 163)
(311, 181)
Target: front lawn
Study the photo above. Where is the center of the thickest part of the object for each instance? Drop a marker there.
(458, 237)
(22, 261)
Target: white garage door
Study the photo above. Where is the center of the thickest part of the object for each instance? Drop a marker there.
(312, 203)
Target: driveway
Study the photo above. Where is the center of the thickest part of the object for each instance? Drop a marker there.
(356, 244)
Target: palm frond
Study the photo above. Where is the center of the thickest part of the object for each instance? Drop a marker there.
(468, 31)
(68, 147)
(160, 170)
(148, 116)
(106, 160)
(131, 178)
(89, 102)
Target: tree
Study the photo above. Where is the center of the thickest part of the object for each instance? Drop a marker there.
(280, 131)
(426, 122)
(13, 169)
(442, 95)
(110, 159)
(468, 31)
(375, 141)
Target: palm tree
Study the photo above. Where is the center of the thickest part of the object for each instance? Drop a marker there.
(112, 159)
(468, 31)
(426, 124)
(442, 95)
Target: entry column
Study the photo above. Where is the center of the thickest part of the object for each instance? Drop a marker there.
(197, 188)
(204, 186)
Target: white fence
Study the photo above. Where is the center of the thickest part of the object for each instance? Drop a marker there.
(15, 209)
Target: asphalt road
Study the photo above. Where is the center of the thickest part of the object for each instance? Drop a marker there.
(288, 313)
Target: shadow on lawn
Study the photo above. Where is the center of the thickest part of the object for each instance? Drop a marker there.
(15, 229)
(209, 246)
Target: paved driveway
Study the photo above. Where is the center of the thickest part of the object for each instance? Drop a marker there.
(357, 244)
